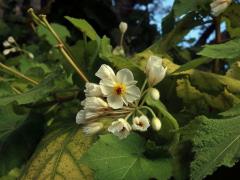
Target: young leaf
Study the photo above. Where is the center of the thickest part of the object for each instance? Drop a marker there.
(216, 142)
(57, 155)
(112, 158)
(61, 30)
(84, 26)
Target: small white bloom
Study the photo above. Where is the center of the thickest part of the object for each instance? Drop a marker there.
(30, 55)
(80, 118)
(105, 72)
(123, 27)
(219, 6)
(120, 88)
(92, 90)
(156, 124)
(120, 128)
(154, 93)
(6, 52)
(93, 128)
(140, 123)
(11, 39)
(155, 70)
(94, 103)
(6, 44)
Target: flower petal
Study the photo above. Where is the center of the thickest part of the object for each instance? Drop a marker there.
(115, 101)
(105, 72)
(133, 93)
(125, 76)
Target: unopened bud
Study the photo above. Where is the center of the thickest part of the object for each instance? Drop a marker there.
(11, 39)
(154, 93)
(6, 44)
(123, 27)
(156, 124)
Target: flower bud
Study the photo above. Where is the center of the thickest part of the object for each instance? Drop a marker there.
(6, 44)
(80, 118)
(6, 52)
(92, 90)
(11, 39)
(156, 124)
(93, 128)
(155, 70)
(123, 27)
(154, 93)
(219, 6)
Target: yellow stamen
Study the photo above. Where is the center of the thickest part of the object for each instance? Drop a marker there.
(120, 89)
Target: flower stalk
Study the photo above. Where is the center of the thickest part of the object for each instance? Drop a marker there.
(18, 74)
(42, 20)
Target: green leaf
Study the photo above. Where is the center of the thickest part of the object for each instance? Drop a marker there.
(19, 140)
(192, 64)
(84, 26)
(38, 92)
(182, 7)
(191, 96)
(234, 111)
(216, 142)
(61, 30)
(169, 123)
(58, 154)
(228, 50)
(124, 160)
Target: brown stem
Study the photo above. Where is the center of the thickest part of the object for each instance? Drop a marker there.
(217, 22)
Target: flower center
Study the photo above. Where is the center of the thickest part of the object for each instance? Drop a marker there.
(119, 89)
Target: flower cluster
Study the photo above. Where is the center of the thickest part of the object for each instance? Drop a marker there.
(219, 6)
(11, 46)
(117, 96)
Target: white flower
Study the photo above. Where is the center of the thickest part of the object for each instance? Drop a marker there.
(94, 104)
(155, 70)
(80, 118)
(6, 44)
(123, 27)
(92, 90)
(11, 39)
(120, 88)
(140, 123)
(156, 124)
(219, 6)
(93, 128)
(154, 93)
(120, 128)
(105, 72)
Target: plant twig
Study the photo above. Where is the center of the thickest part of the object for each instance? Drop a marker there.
(63, 49)
(18, 74)
(217, 22)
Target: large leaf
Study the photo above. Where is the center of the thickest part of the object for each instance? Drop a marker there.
(228, 50)
(84, 26)
(19, 140)
(112, 158)
(216, 142)
(57, 155)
